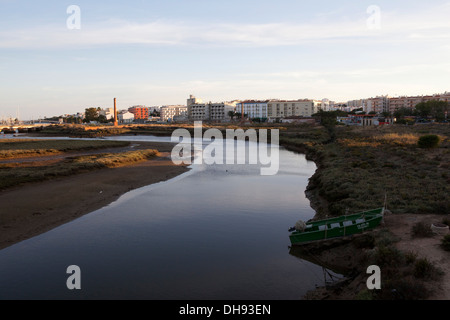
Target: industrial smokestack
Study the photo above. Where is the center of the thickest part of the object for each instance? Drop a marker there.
(115, 113)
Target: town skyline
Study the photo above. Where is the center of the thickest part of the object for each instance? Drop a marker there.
(151, 53)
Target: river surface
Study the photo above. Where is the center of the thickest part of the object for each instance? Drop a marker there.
(218, 231)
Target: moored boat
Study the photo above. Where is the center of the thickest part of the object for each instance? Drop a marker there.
(347, 225)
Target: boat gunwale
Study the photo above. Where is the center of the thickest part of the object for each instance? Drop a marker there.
(374, 212)
(371, 215)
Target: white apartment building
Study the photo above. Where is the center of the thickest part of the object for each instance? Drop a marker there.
(378, 104)
(411, 101)
(355, 104)
(289, 108)
(218, 112)
(326, 104)
(171, 113)
(253, 108)
(107, 112)
(198, 112)
(125, 117)
(193, 100)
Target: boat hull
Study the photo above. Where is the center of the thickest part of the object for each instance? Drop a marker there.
(338, 227)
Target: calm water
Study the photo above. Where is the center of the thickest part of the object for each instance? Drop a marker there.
(215, 232)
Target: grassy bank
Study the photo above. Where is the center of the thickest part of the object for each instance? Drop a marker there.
(355, 172)
(14, 148)
(363, 165)
(13, 173)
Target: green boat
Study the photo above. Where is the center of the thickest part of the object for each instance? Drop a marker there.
(347, 225)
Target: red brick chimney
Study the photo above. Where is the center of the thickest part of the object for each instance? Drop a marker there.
(116, 123)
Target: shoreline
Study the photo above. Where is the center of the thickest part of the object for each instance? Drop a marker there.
(351, 258)
(57, 201)
(103, 186)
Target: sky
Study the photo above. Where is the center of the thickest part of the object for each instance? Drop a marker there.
(59, 59)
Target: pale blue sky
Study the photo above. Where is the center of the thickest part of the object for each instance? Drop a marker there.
(159, 52)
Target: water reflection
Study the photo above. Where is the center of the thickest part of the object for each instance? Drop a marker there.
(215, 232)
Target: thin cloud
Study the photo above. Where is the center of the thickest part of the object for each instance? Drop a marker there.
(433, 24)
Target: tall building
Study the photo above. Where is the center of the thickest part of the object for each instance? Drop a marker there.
(125, 116)
(253, 108)
(378, 104)
(107, 112)
(355, 104)
(411, 101)
(198, 112)
(193, 100)
(140, 112)
(217, 112)
(292, 108)
(173, 113)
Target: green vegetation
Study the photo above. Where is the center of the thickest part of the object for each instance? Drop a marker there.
(365, 164)
(12, 174)
(434, 108)
(362, 166)
(93, 114)
(446, 221)
(421, 230)
(446, 243)
(404, 275)
(424, 111)
(424, 269)
(428, 141)
(13, 148)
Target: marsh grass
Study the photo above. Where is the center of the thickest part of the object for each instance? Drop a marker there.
(11, 175)
(421, 230)
(366, 164)
(14, 148)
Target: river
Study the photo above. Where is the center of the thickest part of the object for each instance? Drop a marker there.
(214, 232)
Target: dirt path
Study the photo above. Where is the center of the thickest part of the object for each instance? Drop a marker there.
(401, 226)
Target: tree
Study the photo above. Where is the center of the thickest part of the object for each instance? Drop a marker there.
(434, 108)
(423, 109)
(438, 109)
(328, 120)
(231, 114)
(402, 112)
(102, 119)
(91, 114)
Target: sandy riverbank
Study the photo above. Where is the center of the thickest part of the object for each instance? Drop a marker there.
(35, 208)
(350, 258)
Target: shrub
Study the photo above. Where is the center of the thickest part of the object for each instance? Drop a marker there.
(446, 242)
(410, 257)
(421, 230)
(364, 295)
(425, 269)
(365, 241)
(403, 289)
(387, 257)
(385, 238)
(428, 141)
